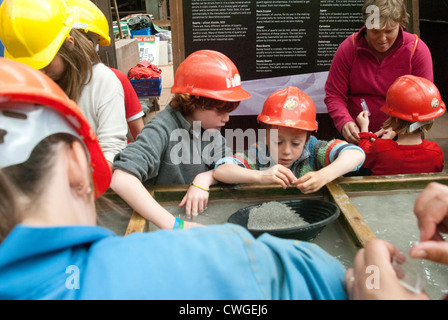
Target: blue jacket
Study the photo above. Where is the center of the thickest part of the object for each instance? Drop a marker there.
(214, 262)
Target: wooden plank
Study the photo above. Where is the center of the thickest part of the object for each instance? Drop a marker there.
(136, 224)
(357, 225)
(391, 182)
(177, 32)
(401, 178)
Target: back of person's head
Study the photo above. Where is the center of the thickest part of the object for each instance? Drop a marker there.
(412, 104)
(36, 120)
(387, 11)
(207, 79)
(78, 59)
(33, 31)
(289, 107)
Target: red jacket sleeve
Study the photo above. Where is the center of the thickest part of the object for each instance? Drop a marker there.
(337, 85)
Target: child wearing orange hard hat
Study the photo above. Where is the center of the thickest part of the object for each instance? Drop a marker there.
(175, 146)
(290, 155)
(412, 104)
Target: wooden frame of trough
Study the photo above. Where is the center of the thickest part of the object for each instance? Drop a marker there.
(337, 191)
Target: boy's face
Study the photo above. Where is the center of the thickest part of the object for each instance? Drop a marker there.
(211, 119)
(287, 146)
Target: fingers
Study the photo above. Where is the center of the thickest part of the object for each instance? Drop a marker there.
(310, 182)
(278, 174)
(380, 132)
(431, 250)
(431, 210)
(195, 202)
(195, 207)
(350, 131)
(285, 175)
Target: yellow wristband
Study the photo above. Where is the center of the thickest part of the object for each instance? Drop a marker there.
(202, 188)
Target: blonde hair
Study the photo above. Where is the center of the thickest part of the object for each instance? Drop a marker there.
(401, 126)
(187, 104)
(78, 59)
(389, 11)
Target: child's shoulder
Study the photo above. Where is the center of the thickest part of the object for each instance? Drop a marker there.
(431, 145)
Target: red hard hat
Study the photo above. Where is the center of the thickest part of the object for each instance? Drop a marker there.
(289, 107)
(21, 83)
(413, 99)
(210, 74)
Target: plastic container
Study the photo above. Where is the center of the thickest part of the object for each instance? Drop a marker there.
(317, 213)
(147, 87)
(410, 272)
(141, 32)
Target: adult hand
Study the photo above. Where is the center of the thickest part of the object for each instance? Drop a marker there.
(350, 132)
(373, 276)
(431, 210)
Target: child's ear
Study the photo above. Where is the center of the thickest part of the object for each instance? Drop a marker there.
(70, 40)
(78, 169)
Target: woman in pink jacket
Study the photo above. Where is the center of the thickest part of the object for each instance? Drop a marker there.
(369, 61)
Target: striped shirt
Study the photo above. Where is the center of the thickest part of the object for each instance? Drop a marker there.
(316, 155)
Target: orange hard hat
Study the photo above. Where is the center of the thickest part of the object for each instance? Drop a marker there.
(28, 90)
(210, 74)
(413, 99)
(289, 107)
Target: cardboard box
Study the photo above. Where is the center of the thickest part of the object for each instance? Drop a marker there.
(127, 54)
(163, 53)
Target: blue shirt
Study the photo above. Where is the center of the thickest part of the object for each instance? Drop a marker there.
(213, 262)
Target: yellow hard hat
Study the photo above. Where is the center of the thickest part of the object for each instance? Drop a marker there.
(33, 31)
(89, 17)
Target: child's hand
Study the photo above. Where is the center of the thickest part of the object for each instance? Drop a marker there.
(363, 121)
(195, 201)
(312, 181)
(189, 224)
(277, 174)
(386, 133)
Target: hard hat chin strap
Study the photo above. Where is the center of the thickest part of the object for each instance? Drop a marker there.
(417, 125)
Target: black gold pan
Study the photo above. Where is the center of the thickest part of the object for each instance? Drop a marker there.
(317, 213)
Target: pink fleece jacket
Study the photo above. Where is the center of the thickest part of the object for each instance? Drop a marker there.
(356, 73)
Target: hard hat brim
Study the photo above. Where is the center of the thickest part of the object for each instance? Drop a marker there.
(234, 95)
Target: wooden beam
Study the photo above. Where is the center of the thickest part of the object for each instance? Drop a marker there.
(107, 54)
(177, 32)
(354, 221)
(136, 224)
(413, 10)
